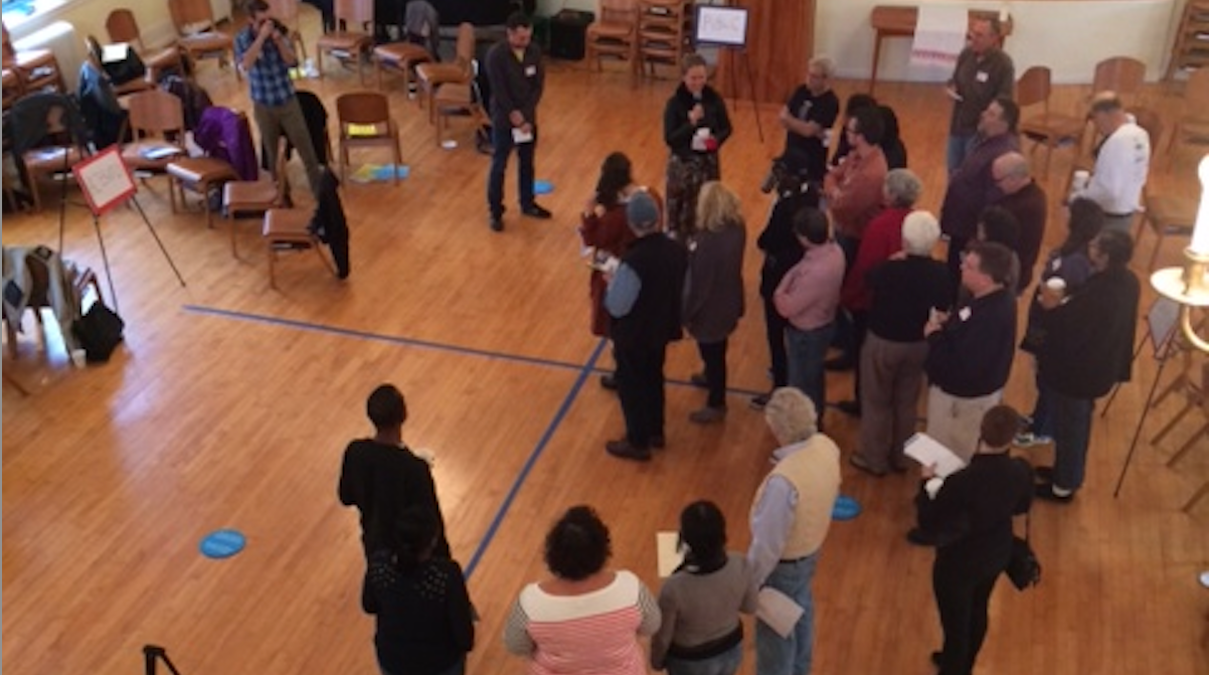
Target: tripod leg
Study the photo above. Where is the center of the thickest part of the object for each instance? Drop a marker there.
(1137, 432)
(751, 86)
(96, 224)
(63, 197)
(137, 205)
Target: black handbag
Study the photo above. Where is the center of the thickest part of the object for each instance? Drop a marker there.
(99, 331)
(1024, 569)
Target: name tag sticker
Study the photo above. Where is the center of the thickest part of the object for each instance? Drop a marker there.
(981, 76)
(530, 71)
(964, 313)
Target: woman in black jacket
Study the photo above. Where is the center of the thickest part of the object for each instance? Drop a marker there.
(695, 125)
(969, 516)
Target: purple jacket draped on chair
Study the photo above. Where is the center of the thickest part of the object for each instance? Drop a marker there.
(225, 134)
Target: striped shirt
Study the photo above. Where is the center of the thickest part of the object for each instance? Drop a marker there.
(591, 634)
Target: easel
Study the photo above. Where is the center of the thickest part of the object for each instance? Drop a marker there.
(1163, 324)
(751, 86)
(106, 182)
(723, 27)
(151, 655)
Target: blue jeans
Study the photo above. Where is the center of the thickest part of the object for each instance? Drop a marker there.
(1043, 424)
(501, 140)
(956, 151)
(726, 663)
(776, 655)
(807, 351)
(1071, 421)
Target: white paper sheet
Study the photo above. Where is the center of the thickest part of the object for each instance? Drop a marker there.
(778, 610)
(667, 544)
(929, 452)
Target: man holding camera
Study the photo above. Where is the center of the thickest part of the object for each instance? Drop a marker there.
(263, 51)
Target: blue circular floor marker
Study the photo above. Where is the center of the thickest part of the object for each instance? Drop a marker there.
(222, 543)
(846, 508)
(542, 187)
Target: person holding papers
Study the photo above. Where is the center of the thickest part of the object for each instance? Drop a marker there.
(517, 77)
(789, 521)
(700, 603)
(969, 516)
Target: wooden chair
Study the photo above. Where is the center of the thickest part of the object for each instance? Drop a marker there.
(122, 27)
(456, 100)
(271, 191)
(614, 33)
(96, 56)
(194, 21)
(1049, 129)
(157, 122)
(1121, 74)
(289, 230)
(200, 174)
(458, 71)
(39, 299)
(353, 35)
(1192, 127)
(286, 11)
(58, 158)
(1165, 216)
(662, 33)
(364, 120)
(401, 57)
(37, 68)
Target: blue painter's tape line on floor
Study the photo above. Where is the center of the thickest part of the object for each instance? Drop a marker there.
(584, 372)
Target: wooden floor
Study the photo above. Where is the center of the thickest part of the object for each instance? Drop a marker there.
(230, 405)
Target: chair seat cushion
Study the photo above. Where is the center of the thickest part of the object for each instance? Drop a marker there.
(150, 155)
(206, 42)
(201, 170)
(41, 160)
(242, 195)
(287, 225)
(344, 41)
(402, 51)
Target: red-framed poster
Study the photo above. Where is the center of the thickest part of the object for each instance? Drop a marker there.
(105, 180)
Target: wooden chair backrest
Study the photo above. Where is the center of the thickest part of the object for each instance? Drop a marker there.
(155, 113)
(1121, 74)
(1033, 86)
(618, 11)
(122, 27)
(1196, 94)
(465, 44)
(362, 107)
(354, 14)
(191, 13)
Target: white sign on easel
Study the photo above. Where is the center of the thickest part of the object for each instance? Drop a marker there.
(105, 180)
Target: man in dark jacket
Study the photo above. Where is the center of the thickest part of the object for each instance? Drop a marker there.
(515, 71)
(1088, 349)
(644, 298)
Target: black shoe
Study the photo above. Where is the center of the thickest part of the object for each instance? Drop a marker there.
(609, 381)
(698, 380)
(535, 211)
(624, 450)
(658, 442)
(839, 363)
(497, 223)
(852, 408)
(936, 657)
(1046, 491)
(920, 538)
(1044, 474)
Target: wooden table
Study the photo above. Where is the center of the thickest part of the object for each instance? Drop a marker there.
(899, 21)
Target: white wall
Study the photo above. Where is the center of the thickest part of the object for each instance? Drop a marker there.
(1069, 36)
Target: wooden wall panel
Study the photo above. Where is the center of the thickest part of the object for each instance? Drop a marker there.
(780, 39)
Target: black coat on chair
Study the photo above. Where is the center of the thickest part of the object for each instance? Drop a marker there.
(329, 223)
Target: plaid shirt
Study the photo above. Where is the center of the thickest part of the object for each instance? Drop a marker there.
(269, 76)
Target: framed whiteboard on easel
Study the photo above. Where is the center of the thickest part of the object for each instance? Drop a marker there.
(105, 180)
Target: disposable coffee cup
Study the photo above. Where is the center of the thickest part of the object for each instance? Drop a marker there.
(79, 358)
(1056, 284)
(1082, 178)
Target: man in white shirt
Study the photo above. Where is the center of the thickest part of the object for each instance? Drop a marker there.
(1122, 162)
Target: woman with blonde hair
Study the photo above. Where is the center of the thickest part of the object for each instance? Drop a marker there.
(713, 291)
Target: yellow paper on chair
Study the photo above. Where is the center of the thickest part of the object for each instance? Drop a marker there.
(362, 130)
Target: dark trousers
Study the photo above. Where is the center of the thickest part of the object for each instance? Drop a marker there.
(501, 140)
(1072, 434)
(776, 326)
(713, 354)
(860, 323)
(640, 388)
(957, 246)
(844, 338)
(962, 595)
